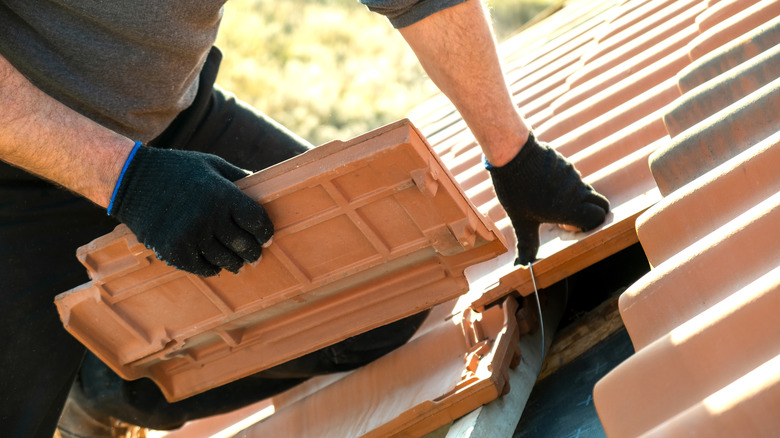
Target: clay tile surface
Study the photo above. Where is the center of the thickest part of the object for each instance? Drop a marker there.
(703, 320)
(465, 367)
(669, 108)
(375, 226)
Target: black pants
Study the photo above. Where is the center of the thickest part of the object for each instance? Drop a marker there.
(40, 228)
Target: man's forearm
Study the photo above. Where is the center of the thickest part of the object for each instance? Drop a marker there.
(456, 48)
(44, 137)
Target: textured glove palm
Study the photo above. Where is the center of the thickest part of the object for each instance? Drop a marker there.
(540, 186)
(185, 207)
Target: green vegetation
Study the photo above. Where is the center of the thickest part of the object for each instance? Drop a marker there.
(330, 69)
(509, 15)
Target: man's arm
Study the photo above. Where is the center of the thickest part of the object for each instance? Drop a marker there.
(533, 183)
(45, 137)
(457, 49)
(181, 204)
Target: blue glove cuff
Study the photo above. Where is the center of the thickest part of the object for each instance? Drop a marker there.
(485, 162)
(121, 176)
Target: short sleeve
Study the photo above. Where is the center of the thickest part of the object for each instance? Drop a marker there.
(402, 13)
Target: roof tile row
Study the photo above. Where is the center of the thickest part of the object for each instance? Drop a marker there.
(703, 320)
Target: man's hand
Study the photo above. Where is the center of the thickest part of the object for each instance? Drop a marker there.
(185, 207)
(540, 186)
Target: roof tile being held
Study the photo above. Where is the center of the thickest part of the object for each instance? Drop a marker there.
(367, 232)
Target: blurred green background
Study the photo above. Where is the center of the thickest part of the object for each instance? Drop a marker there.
(330, 69)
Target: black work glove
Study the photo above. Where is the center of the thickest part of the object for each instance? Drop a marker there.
(541, 186)
(184, 206)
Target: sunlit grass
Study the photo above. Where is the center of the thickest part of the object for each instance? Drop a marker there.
(330, 69)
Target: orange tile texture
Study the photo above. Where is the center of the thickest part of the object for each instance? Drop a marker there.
(703, 320)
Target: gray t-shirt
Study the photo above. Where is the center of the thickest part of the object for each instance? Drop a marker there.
(402, 13)
(131, 66)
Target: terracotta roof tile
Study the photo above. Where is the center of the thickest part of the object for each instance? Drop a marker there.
(703, 320)
(638, 53)
(745, 406)
(702, 274)
(694, 360)
(709, 202)
(733, 26)
(730, 55)
(717, 138)
(720, 92)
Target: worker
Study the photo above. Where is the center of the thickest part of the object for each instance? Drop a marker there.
(109, 114)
